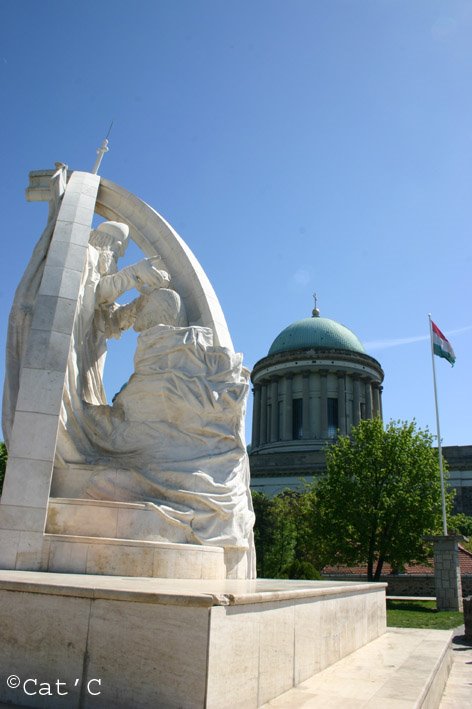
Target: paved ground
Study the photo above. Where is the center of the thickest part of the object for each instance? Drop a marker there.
(458, 692)
(394, 671)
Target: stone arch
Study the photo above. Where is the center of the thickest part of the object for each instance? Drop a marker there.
(150, 231)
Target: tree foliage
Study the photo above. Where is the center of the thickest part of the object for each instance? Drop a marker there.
(283, 535)
(461, 524)
(380, 495)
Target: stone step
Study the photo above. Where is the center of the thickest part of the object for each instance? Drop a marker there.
(78, 554)
(402, 669)
(142, 521)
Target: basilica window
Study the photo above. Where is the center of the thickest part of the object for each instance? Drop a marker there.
(297, 419)
(333, 422)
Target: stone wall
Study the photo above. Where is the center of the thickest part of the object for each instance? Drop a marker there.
(407, 584)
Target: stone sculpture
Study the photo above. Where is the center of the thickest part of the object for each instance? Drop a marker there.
(98, 319)
(174, 429)
(24, 303)
(172, 438)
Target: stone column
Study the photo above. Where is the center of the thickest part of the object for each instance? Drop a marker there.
(288, 409)
(342, 404)
(263, 421)
(313, 407)
(32, 444)
(356, 402)
(256, 416)
(306, 405)
(324, 405)
(376, 397)
(368, 400)
(274, 411)
(380, 402)
(447, 572)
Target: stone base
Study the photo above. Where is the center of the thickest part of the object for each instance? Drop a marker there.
(127, 557)
(113, 520)
(122, 539)
(167, 643)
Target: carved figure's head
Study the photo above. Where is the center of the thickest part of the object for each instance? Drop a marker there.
(110, 239)
(160, 307)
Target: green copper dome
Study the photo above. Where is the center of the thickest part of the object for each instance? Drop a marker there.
(316, 333)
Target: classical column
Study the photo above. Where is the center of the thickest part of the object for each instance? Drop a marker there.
(376, 397)
(256, 416)
(342, 404)
(274, 411)
(324, 405)
(368, 400)
(313, 407)
(306, 405)
(263, 428)
(380, 402)
(288, 409)
(356, 402)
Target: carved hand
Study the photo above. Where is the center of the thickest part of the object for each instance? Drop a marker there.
(148, 276)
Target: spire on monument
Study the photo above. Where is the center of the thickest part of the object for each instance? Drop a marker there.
(315, 312)
(101, 151)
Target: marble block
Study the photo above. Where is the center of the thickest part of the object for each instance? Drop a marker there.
(168, 643)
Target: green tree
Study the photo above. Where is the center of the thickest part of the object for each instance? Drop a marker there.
(461, 524)
(380, 495)
(3, 463)
(282, 535)
(274, 536)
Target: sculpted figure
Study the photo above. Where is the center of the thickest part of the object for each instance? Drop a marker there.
(99, 318)
(173, 435)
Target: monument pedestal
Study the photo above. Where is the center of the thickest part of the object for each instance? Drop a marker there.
(146, 642)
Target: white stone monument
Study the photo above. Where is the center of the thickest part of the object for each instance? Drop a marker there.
(157, 483)
(126, 550)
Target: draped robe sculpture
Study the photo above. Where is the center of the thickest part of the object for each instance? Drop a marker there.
(173, 437)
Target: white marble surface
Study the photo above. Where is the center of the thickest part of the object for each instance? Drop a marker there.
(203, 495)
(219, 592)
(132, 558)
(43, 637)
(41, 354)
(403, 668)
(162, 642)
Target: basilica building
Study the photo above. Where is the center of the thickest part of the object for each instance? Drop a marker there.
(315, 382)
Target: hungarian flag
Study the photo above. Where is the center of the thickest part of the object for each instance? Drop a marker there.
(441, 345)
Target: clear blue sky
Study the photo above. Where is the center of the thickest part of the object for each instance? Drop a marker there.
(295, 146)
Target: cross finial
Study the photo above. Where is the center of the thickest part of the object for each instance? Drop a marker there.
(315, 311)
(101, 151)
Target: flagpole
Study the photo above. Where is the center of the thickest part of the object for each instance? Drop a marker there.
(441, 472)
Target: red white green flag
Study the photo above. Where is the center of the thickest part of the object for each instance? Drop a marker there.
(441, 345)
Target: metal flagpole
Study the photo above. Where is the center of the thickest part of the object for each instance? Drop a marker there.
(441, 472)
